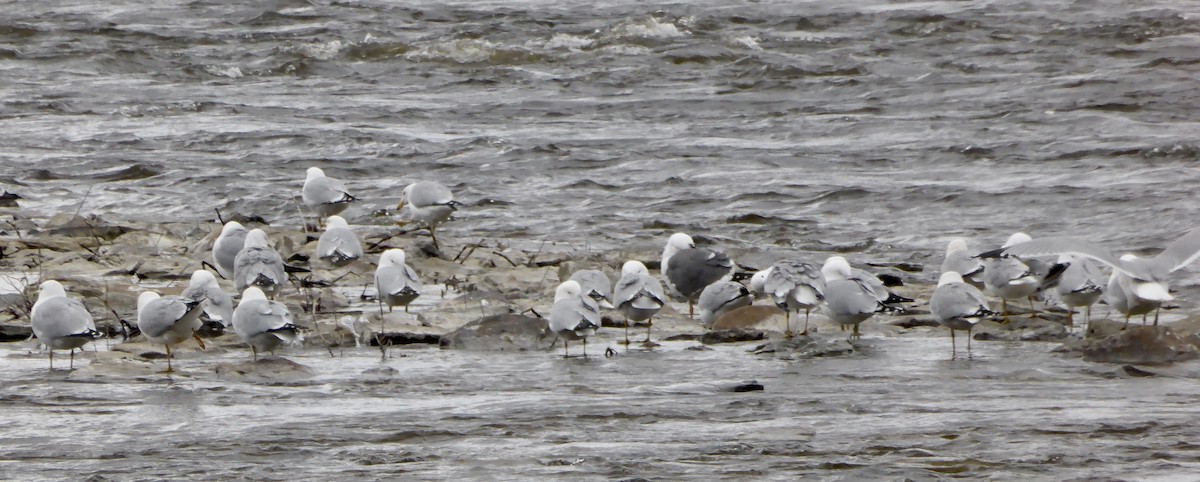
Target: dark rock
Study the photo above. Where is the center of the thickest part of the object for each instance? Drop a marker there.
(81, 227)
(890, 280)
(748, 386)
(906, 267)
(732, 336)
(683, 337)
(807, 347)
(1133, 371)
(15, 332)
(1022, 329)
(1142, 345)
(406, 339)
(1102, 328)
(9, 200)
(915, 322)
(698, 348)
(507, 332)
(610, 322)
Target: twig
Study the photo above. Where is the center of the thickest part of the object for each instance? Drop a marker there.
(497, 253)
(81, 201)
(471, 251)
(219, 218)
(535, 254)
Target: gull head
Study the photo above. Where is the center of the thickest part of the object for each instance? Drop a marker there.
(567, 289)
(634, 267)
(51, 289)
(392, 257)
(256, 238)
(835, 268)
(313, 173)
(1015, 239)
(231, 227)
(949, 277)
(253, 293)
(336, 221)
(956, 245)
(202, 278)
(145, 298)
(758, 282)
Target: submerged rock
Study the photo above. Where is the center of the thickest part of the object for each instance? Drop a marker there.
(807, 347)
(15, 332)
(508, 332)
(753, 316)
(1022, 329)
(271, 369)
(1145, 345)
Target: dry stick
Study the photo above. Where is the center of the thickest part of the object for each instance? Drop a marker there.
(497, 253)
(317, 326)
(535, 254)
(460, 252)
(81, 201)
(471, 251)
(219, 218)
(303, 223)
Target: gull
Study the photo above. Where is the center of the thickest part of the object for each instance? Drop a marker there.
(1148, 278)
(720, 298)
(430, 203)
(324, 195)
(595, 285)
(574, 316)
(959, 260)
(227, 246)
(258, 265)
(169, 320)
(263, 324)
(689, 269)
(1009, 277)
(1120, 295)
(59, 322)
(396, 282)
(218, 305)
(338, 245)
(638, 296)
(793, 286)
(849, 298)
(958, 306)
(1079, 285)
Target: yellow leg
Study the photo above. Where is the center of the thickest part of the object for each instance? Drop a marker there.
(170, 369)
(199, 341)
(805, 332)
(953, 349)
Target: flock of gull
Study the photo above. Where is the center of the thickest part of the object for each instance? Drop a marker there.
(704, 277)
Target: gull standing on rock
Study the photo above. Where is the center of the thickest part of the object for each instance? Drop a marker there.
(169, 320)
(1009, 277)
(1148, 279)
(338, 245)
(574, 316)
(595, 285)
(961, 261)
(227, 246)
(638, 296)
(430, 203)
(218, 305)
(396, 282)
(1080, 285)
(958, 306)
(720, 298)
(1120, 295)
(689, 269)
(263, 324)
(793, 286)
(849, 300)
(324, 195)
(59, 322)
(259, 265)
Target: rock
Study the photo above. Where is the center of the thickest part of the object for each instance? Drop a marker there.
(1022, 329)
(267, 369)
(753, 316)
(1099, 329)
(76, 226)
(1132, 371)
(405, 339)
(683, 337)
(1143, 345)
(807, 347)
(732, 336)
(507, 332)
(748, 386)
(15, 332)
(915, 322)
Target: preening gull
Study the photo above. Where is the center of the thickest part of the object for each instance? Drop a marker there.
(961, 261)
(218, 305)
(395, 281)
(720, 298)
(1121, 295)
(259, 265)
(849, 299)
(1009, 277)
(689, 269)
(638, 296)
(958, 306)
(574, 316)
(227, 246)
(263, 324)
(338, 245)
(595, 285)
(324, 195)
(169, 320)
(793, 286)
(430, 203)
(1080, 285)
(59, 322)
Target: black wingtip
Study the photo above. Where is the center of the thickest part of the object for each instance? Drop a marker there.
(995, 253)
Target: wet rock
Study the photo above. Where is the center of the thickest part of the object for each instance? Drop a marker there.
(507, 332)
(732, 336)
(753, 316)
(76, 226)
(915, 322)
(1022, 329)
(405, 339)
(1130, 370)
(269, 369)
(807, 347)
(684, 337)
(1100, 329)
(1143, 345)
(15, 332)
(747, 386)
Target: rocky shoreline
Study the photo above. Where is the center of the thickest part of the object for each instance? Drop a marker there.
(484, 295)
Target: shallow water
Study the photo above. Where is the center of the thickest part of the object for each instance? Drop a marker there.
(900, 408)
(874, 129)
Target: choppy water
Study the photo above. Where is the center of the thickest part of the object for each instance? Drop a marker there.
(880, 126)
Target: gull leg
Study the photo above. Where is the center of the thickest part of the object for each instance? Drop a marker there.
(254, 351)
(199, 341)
(788, 332)
(566, 351)
(855, 335)
(626, 331)
(1156, 315)
(953, 350)
(434, 236)
(170, 369)
(805, 332)
(1144, 321)
(968, 343)
(585, 347)
(691, 311)
(51, 357)
(72, 365)
(1087, 315)
(1004, 308)
(1070, 318)
(1126, 322)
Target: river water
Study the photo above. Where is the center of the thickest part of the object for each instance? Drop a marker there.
(877, 129)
